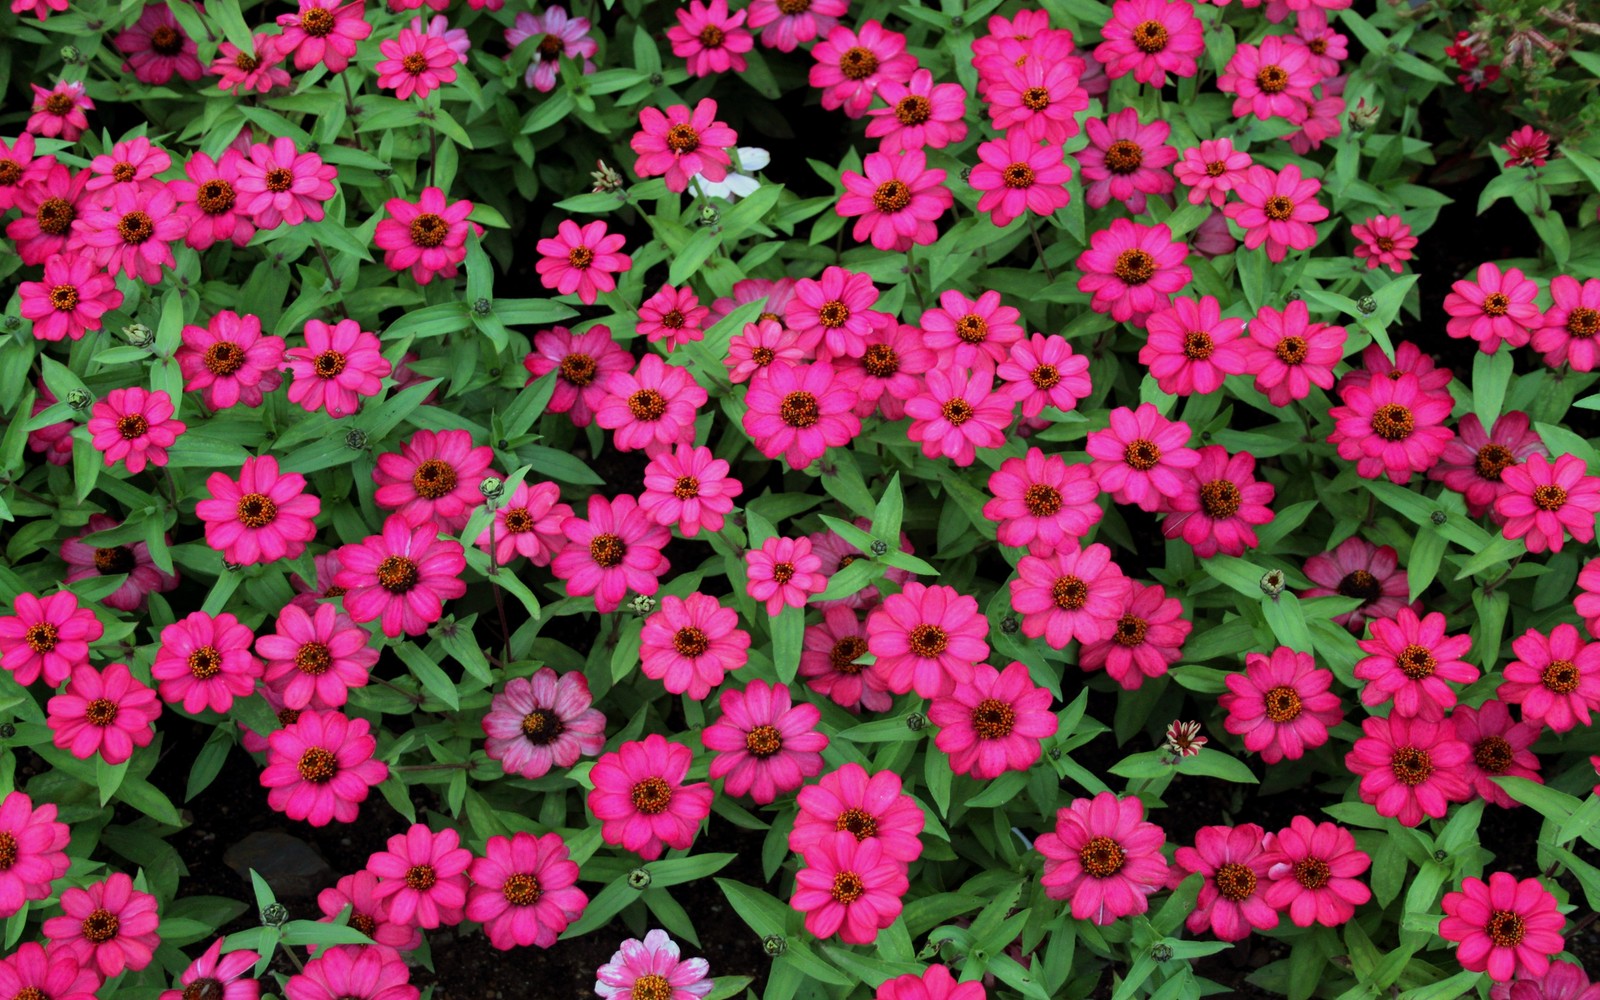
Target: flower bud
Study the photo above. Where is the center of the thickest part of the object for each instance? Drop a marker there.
(355, 439)
(915, 721)
(1366, 305)
(605, 178)
(1161, 952)
(639, 878)
(1438, 517)
(879, 547)
(275, 915)
(13, 323)
(774, 945)
(7, 730)
(80, 399)
(1272, 583)
(1363, 116)
(1009, 625)
(492, 488)
(1054, 753)
(482, 306)
(139, 335)
(642, 605)
(709, 216)
(70, 54)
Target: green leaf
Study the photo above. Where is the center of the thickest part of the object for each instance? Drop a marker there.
(1288, 621)
(1491, 374)
(888, 514)
(761, 913)
(1216, 764)
(676, 871)
(788, 638)
(433, 678)
(108, 778)
(231, 21)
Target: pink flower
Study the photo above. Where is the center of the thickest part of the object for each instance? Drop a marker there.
(42, 9)
(1277, 209)
(205, 662)
(641, 800)
(1142, 456)
(1146, 640)
(764, 745)
(54, 441)
(919, 114)
(1071, 593)
(1232, 900)
(59, 111)
(47, 637)
(1132, 270)
(1041, 502)
(1281, 704)
(1313, 869)
(784, 27)
(887, 373)
(688, 488)
(1211, 169)
(927, 639)
(35, 846)
(762, 344)
(1504, 926)
(320, 768)
(1104, 857)
(1039, 98)
(208, 200)
(368, 914)
(338, 366)
(134, 163)
(135, 427)
(1385, 239)
(615, 550)
(1391, 427)
(1184, 739)
(326, 32)
(582, 260)
(279, 184)
(262, 517)
(1408, 360)
(524, 890)
(1017, 175)
(543, 721)
(1499, 748)
(434, 477)
(652, 408)
(230, 361)
(1126, 159)
(970, 333)
(1357, 568)
(356, 972)
(681, 144)
(108, 924)
(1474, 463)
(1543, 501)
(783, 572)
(314, 658)
(851, 65)
(1587, 603)
(86, 560)
(427, 236)
(653, 969)
(1409, 659)
(1288, 354)
(583, 364)
(828, 662)
(527, 523)
(1570, 325)
(1564, 981)
(711, 39)
(993, 723)
(958, 413)
(157, 47)
(20, 168)
(799, 412)
(214, 975)
(558, 35)
(52, 972)
(1497, 306)
(872, 808)
(1555, 678)
(898, 200)
(1150, 38)
(132, 234)
(258, 71)
(416, 63)
(691, 643)
(850, 888)
(48, 208)
(1043, 371)
(935, 983)
(674, 315)
(1410, 768)
(423, 875)
(1219, 504)
(1527, 147)
(401, 577)
(833, 314)
(1190, 348)
(1328, 48)
(1272, 80)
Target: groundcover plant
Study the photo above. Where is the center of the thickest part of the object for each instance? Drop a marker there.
(807, 499)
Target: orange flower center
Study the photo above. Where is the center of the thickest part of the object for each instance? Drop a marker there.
(651, 796)
(847, 887)
(607, 550)
(100, 926)
(580, 257)
(1272, 79)
(833, 314)
(578, 370)
(690, 641)
(397, 574)
(993, 719)
(256, 510)
(845, 652)
(101, 712)
(1506, 929)
(1416, 662)
(1362, 584)
(1411, 765)
(1496, 304)
(1142, 454)
(541, 727)
(1235, 881)
(1150, 37)
(1124, 156)
(132, 426)
(1041, 499)
(1282, 703)
(1549, 497)
(313, 659)
(55, 216)
(205, 663)
(647, 405)
(318, 765)
(1583, 322)
(880, 361)
(763, 741)
(135, 228)
(1278, 208)
(1493, 754)
(913, 109)
(858, 63)
(1069, 593)
(421, 877)
(891, 196)
(1036, 98)
(957, 411)
(1313, 873)
(928, 641)
(1101, 857)
(41, 637)
(215, 197)
(1197, 345)
(1017, 175)
(521, 889)
(799, 409)
(1493, 459)
(858, 822)
(1131, 630)
(1220, 499)
(682, 137)
(429, 230)
(1560, 677)
(317, 22)
(1134, 267)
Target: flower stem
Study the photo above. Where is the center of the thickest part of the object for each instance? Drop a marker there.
(1038, 245)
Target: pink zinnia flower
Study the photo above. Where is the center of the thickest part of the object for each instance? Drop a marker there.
(968, 333)
(641, 801)
(1272, 80)
(710, 39)
(1555, 678)
(761, 345)
(935, 983)
(1126, 160)
(1328, 47)
(1564, 981)
(1543, 501)
(59, 111)
(1211, 169)
(34, 844)
(427, 236)
(314, 658)
(919, 114)
(133, 233)
(47, 637)
(230, 361)
(1500, 748)
(1142, 456)
(1391, 427)
(673, 315)
(1527, 147)
(434, 477)
(617, 548)
(1587, 603)
(339, 365)
(1132, 270)
(1493, 307)
(799, 412)
(401, 577)
(870, 807)
(1410, 768)
(48, 208)
(320, 768)
(51, 972)
(652, 408)
(688, 488)
(1357, 568)
(134, 163)
(353, 972)
(528, 523)
(558, 35)
(524, 890)
(887, 374)
(1409, 660)
(993, 723)
(205, 662)
(543, 721)
(456, 38)
(1504, 926)
(1281, 704)
(833, 314)
(849, 887)
(157, 47)
(783, 572)
(208, 200)
(828, 662)
(1385, 239)
(1103, 856)
(417, 63)
(1408, 360)
(1474, 463)
(898, 200)
(1233, 898)
(423, 875)
(1042, 371)
(652, 968)
(108, 925)
(134, 426)
(326, 32)
(1313, 869)
(1040, 502)
(54, 441)
(86, 560)
(927, 639)
(279, 184)
(690, 644)
(1277, 209)
(1150, 38)
(259, 70)
(851, 65)
(583, 364)
(20, 168)
(1017, 175)
(1220, 504)
(1288, 354)
(1068, 594)
(261, 517)
(784, 27)
(582, 260)
(957, 413)
(1190, 348)
(216, 975)
(1570, 325)
(764, 745)
(1039, 99)
(1146, 640)
(681, 144)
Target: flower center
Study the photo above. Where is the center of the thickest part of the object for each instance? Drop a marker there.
(673, 320)
(100, 926)
(928, 641)
(1291, 350)
(580, 257)
(799, 409)
(794, 6)
(318, 765)
(1235, 881)
(1216, 168)
(541, 727)
(329, 364)
(1362, 584)
(135, 228)
(1561, 677)
(1313, 873)
(972, 329)
(1142, 454)
(891, 196)
(858, 822)
(1492, 460)
(578, 370)
(279, 179)
(1272, 79)
(607, 550)
(41, 637)
(1069, 593)
(288, 717)
(101, 712)
(1411, 765)
(550, 46)
(687, 488)
(118, 559)
(521, 889)
(1549, 497)
(364, 923)
(122, 173)
(1197, 345)
(1017, 175)
(763, 741)
(847, 887)
(256, 510)
(1506, 929)
(224, 358)
(58, 104)
(1493, 754)
(647, 404)
(1393, 422)
(313, 659)
(1278, 208)
(858, 63)
(55, 216)
(245, 62)
(8, 850)
(397, 574)
(215, 197)
(845, 652)
(1045, 377)
(833, 314)
(1583, 322)
(316, 22)
(1134, 267)
(10, 172)
(711, 36)
(1384, 243)
(1042, 499)
(651, 986)
(1130, 631)
(205, 663)
(1124, 156)
(783, 572)
(1220, 498)
(132, 426)
(1101, 857)
(429, 230)
(166, 41)
(957, 411)
(763, 356)
(993, 719)
(414, 63)
(1416, 662)
(881, 361)
(1496, 304)
(421, 877)
(913, 110)
(651, 796)
(682, 137)
(1036, 98)
(690, 641)
(1282, 703)
(518, 521)
(200, 989)
(1150, 37)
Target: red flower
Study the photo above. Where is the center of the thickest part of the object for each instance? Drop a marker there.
(1504, 926)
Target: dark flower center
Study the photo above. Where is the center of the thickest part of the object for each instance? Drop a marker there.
(135, 228)
(541, 727)
(857, 63)
(1313, 873)
(1411, 765)
(681, 138)
(1101, 857)
(397, 574)
(414, 63)
(1362, 584)
(224, 358)
(673, 320)
(521, 889)
(972, 329)
(783, 572)
(1069, 593)
(1124, 156)
(1220, 499)
(1496, 304)
(891, 196)
(580, 257)
(578, 370)
(1017, 175)
(10, 172)
(845, 652)
(64, 298)
(256, 510)
(329, 364)
(55, 216)
(993, 719)
(651, 986)
(1560, 677)
(1045, 377)
(1291, 350)
(913, 109)
(957, 411)
(1416, 662)
(1134, 267)
(847, 887)
(1216, 168)
(1493, 459)
(166, 41)
(833, 314)
(58, 104)
(1393, 422)
(41, 637)
(647, 405)
(763, 356)
(711, 36)
(245, 62)
(204, 989)
(686, 488)
(763, 741)
(122, 173)
(1272, 79)
(1036, 98)
(317, 22)
(279, 179)
(313, 659)
(1042, 499)
(421, 877)
(928, 641)
(1282, 703)
(100, 926)
(1130, 631)
(690, 641)
(880, 361)
(1197, 345)
(1493, 754)
(205, 663)
(1506, 929)
(1278, 208)
(1235, 881)
(651, 796)
(429, 230)
(550, 46)
(434, 479)
(215, 197)
(101, 712)
(1583, 322)
(118, 559)
(799, 410)
(1549, 497)
(318, 765)
(132, 426)
(858, 822)
(607, 550)
(1142, 454)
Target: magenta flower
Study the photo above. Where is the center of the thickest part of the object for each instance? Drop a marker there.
(1570, 325)
(1040, 98)
(1357, 568)
(920, 114)
(1126, 159)
(764, 744)
(1068, 594)
(325, 32)
(434, 477)
(1587, 603)
(84, 561)
(543, 721)
(108, 925)
(1288, 354)
(761, 345)
(401, 577)
(1564, 981)
(1496, 306)
(1408, 360)
(1042, 503)
(1132, 270)
(799, 412)
(1500, 748)
(1042, 371)
(681, 144)
(261, 517)
(783, 572)
(558, 35)
(710, 39)
(52, 972)
(70, 300)
(1278, 209)
(315, 657)
(208, 200)
(871, 807)
(48, 208)
(833, 314)
(652, 408)
(1281, 704)
(898, 199)
(887, 374)
(993, 723)
(205, 662)
(258, 70)
(320, 768)
(849, 887)
(1272, 80)
(852, 63)
(1504, 926)
(48, 637)
(970, 333)
(423, 875)
(133, 233)
(1103, 856)
(528, 523)
(1527, 147)
(427, 236)
(583, 364)
(927, 639)
(1142, 456)
(1211, 169)
(1384, 240)
(617, 548)
(641, 800)
(836, 553)
(135, 427)
(1555, 678)
(230, 361)
(1220, 504)
(1232, 900)
(20, 168)
(524, 890)
(691, 643)
(582, 260)
(957, 413)
(368, 914)
(1409, 660)
(688, 488)
(1474, 463)
(786, 24)
(935, 983)
(673, 315)
(158, 48)
(1410, 768)
(35, 846)
(59, 111)
(216, 975)
(1328, 48)
(339, 365)
(1543, 501)
(278, 184)
(1313, 869)
(1391, 427)
(1017, 175)
(1146, 640)
(1190, 348)
(54, 441)
(828, 662)
(417, 63)
(652, 968)
(1150, 38)
(356, 972)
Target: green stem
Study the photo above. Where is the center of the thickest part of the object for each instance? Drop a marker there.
(1038, 245)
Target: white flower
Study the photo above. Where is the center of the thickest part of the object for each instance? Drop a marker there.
(740, 182)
